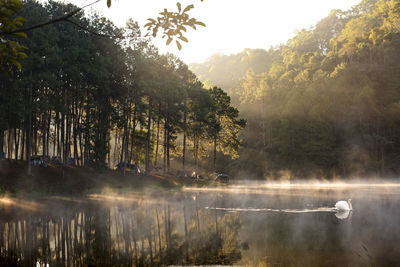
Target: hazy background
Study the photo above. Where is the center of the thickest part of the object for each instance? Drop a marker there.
(232, 25)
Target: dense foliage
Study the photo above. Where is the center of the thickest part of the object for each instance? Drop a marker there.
(103, 100)
(325, 104)
(11, 51)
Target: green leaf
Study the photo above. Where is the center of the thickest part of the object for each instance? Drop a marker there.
(169, 41)
(16, 63)
(183, 38)
(22, 55)
(178, 44)
(200, 23)
(189, 7)
(20, 34)
(18, 21)
(181, 28)
(108, 3)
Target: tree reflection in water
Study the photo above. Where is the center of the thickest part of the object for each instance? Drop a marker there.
(93, 233)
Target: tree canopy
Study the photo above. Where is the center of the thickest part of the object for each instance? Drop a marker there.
(172, 25)
(102, 101)
(326, 103)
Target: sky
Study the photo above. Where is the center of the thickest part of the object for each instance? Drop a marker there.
(232, 25)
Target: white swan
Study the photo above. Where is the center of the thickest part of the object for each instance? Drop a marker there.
(343, 205)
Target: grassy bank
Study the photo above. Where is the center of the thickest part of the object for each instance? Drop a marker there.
(58, 180)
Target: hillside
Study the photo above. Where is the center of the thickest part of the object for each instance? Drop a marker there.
(325, 104)
(226, 70)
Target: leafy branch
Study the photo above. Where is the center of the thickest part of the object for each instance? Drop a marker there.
(173, 24)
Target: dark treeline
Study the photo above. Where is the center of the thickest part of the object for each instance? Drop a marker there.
(325, 104)
(84, 92)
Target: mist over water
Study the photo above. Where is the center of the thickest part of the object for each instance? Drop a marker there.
(256, 224)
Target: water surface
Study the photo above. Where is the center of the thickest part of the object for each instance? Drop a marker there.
(250, 225)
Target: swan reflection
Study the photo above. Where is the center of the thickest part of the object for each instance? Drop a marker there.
(342, 215)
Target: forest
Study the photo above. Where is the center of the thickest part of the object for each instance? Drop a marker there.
(324, 104)
(101, 95)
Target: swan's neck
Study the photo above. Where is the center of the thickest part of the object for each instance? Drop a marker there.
(350, 206)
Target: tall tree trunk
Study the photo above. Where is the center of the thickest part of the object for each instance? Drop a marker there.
(165, 148)
(184, 140)
(58, 134)
(79, 126)
(131, 157)
(68, 134)
(16, 142)
(148, 141)
(35, 134)
(158, 135)
(215, 152)
(23, 143)
(1, 148)
(44, 133)
(48, 133)
(29, 133)
(197, 140)
(123, 145)
(55, 134)
(87, 140)
(126, 143)
(63, 138)
(116, 143)
(168, 150)
(75, 132)
(9, 143)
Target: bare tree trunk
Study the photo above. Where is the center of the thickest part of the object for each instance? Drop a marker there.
(9, 143)
(1, 149)
(158, 134)
(116, 143)
(196, 151)
(81, 156)
(75, 130)
(184, 139)
(55, 134)
(168, 146)
(131, 157)
(126, 144)
(16, 141)
(148, 144)
(23, 143)
(215, 152)
(58, 134)
(48, 133)
(87, 138)
(165, 148)
(63, 138)
(29, 133)
(35, 134)
(123, 145)
(44, 133)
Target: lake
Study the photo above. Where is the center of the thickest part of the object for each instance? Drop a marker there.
(245, 224)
